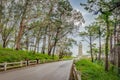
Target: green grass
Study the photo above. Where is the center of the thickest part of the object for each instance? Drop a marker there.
(93, 71)
(9, 55)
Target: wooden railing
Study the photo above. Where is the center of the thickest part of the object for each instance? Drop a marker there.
(76, 73)
(5, 66)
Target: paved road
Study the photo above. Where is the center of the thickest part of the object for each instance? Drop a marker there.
(49, 71)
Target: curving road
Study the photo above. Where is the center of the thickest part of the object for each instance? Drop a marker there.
(49, 71)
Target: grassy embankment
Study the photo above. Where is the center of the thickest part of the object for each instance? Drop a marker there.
(94, 71)
(9, 55)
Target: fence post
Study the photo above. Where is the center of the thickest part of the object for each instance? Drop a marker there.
(79, 75)
(27, 62)
(37, 61)
(21, 63)
(5, 66)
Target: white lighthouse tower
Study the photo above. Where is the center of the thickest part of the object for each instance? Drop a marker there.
(80, 53)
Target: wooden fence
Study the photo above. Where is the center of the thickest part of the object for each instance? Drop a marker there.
(5, 66)
(76, 73)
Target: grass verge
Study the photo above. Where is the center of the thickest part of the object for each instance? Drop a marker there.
(94, 71)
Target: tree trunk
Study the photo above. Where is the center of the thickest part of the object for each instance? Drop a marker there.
(54, 46)
(20, 33)
(44, 44)
(35, 46)
(27, 42)
(99, 57)
(22, 26)
(56, 40)
(38, 48)
(44, 41)
(49, 41)
(118, 49)
(106, 53)
(111, 48)
(37, 42)
(49, 50)
(92, 59)
(115, 41)
(106, 44)
(49, 45)
(4, 43)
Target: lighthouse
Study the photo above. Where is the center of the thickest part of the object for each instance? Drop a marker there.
(80, 49)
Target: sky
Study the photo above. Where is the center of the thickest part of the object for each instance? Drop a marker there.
(88, 17)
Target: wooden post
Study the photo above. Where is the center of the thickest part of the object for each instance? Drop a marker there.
(37, 61)
(5, 66)
(27, 62)
(78, 75)
(21, 63)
